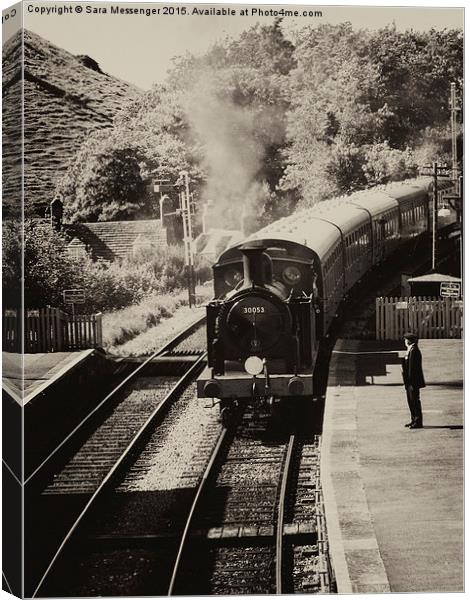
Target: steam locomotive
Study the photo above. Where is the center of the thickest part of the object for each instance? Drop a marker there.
(277, 292)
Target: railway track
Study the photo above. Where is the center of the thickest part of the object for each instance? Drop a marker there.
(126, 490)
(176, 347)
(255, 524)
(71, 480)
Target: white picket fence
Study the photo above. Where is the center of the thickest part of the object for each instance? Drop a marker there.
(427, 317)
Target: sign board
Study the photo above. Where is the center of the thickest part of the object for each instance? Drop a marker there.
(74, 296)
(9, 312)
(401, 305)
(163, 187)
(450, 290)
(32, 313)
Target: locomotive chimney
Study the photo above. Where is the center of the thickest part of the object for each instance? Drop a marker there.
(256, 268)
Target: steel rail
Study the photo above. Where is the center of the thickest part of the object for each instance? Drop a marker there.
(183, 381)
(202, 485)
(280, 514)
(165, 348)
(179, 337)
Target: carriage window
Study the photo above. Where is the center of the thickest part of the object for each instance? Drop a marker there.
(364, 239)
(349, 249)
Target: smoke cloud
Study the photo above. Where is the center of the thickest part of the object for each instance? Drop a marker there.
(233, 139)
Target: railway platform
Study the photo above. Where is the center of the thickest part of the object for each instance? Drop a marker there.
(47, 399)
(28, 375)
(394, 496)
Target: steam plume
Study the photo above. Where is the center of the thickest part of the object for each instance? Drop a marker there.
(233, 151)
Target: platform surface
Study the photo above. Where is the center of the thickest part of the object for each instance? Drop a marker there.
(39, 370)
(394, 496)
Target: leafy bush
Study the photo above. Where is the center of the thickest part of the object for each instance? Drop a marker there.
(140, 329)
(167, 265)
(111, 286)
(383, 164)
(123, 325)
(48, 268)
(153, 338)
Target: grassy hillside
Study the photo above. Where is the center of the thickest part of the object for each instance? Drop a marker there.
(66, 97)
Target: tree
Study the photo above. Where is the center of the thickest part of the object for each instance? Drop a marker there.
(12, 240)
(105, 180)
(48, 268)
(103, 183)
(416, 69)
(335, 112)
(361, 103)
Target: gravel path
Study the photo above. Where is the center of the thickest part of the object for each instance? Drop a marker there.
(175, 455)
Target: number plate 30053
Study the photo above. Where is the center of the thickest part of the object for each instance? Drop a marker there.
(253, 310)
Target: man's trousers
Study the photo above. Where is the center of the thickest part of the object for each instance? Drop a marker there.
(414, 404)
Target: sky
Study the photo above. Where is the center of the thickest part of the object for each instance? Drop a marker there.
(139, 48)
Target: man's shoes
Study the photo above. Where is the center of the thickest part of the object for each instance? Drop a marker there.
(416, 426)
(409, 424)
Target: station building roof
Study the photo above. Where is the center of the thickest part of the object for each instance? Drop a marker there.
(435, 277)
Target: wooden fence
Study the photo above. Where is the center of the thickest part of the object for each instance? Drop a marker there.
(428, 317)
(50, 330)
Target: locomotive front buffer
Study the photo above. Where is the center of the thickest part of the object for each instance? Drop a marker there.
(256, 387)
(237, 385)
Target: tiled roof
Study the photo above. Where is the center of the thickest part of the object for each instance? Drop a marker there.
(114, 240)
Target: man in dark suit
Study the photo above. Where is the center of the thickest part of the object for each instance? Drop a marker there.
(413, 379)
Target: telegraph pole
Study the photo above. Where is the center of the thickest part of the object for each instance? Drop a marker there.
(454, 174)
(435, 171)
(453, 125)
